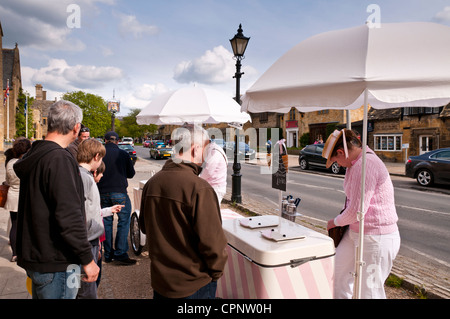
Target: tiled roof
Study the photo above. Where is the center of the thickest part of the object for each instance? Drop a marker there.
(446, 111)
(384, 114)
(43, 105)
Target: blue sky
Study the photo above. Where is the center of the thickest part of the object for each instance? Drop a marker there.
(141, 49)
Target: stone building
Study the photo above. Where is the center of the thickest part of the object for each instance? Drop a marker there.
(40, 108)
(295, 123)
(9, 74)
(396, 134)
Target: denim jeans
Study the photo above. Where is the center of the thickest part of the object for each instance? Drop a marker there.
(88, 290)
(206, 292)
(52, 285)
(120, 249)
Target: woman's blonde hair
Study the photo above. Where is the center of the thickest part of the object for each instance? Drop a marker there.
(88, 149)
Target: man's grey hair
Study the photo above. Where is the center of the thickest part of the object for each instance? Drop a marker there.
(63, 116)
(188, 135)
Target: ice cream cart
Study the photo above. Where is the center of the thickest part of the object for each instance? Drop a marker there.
(137, 237)
(270, 257)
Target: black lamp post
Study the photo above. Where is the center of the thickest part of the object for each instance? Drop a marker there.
(239, 44)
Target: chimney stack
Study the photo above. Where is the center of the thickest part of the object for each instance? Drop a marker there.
(39, 93)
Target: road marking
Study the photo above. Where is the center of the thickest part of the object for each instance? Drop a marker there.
(423, 209)
(271, 201)
(315, 186)
(426, 255)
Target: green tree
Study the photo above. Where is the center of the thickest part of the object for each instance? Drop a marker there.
(95, 112)
(129, 126)
(21, 117)
(304, 139)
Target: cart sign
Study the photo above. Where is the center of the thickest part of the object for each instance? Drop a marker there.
(114, 106)
(279, 177)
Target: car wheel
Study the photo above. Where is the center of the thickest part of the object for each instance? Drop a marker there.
(335, 168)
(424, 177)
(303, 164)
(135, 235)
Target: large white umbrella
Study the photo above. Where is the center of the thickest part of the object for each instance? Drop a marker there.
(398, 64)
(192, 105)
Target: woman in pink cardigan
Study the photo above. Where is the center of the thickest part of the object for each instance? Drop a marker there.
(381, 235)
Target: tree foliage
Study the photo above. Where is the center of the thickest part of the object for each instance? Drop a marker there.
(21, 117)
(95, 112)
(98, 119)
(129, 126)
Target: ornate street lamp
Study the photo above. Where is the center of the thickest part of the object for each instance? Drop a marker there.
(238, 44)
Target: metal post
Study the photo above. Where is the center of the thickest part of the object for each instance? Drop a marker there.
(113, 119)
(360, 214)
(26, 117)
(7, 110)
(236, 176)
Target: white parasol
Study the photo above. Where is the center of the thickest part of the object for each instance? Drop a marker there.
(192, 105)
(398, 64)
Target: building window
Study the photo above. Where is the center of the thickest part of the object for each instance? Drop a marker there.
(321, 112)
(292, 114)
(263, 117)
(388, 142)
(421, 110)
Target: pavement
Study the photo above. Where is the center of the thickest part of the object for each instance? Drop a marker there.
(432, 282)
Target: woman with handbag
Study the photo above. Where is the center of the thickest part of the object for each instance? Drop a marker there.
(381, 235)
(20, 147)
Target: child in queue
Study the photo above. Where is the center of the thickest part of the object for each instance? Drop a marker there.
(90, 155)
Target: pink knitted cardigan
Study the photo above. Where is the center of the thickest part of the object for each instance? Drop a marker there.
(379, 206)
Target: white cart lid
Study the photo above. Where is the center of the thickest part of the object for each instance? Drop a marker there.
(285, 243)
(142, 184)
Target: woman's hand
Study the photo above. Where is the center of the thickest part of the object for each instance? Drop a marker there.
(330, 224)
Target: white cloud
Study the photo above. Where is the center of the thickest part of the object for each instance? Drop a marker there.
(130, 25)
(444, 15)
(216, 66)
(62, 77)
(44, 27)
(147, 92)
(106, 51)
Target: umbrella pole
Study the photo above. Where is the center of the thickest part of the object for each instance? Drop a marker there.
(359, 248)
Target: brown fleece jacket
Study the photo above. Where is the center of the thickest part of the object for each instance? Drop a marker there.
(181, 216)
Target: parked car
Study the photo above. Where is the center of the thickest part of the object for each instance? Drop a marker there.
(146, 143)
(244, 150)
(128, 148)
(431, 167)
(219, 142)
(156, 143)
(128, 140)
(161, 151)
(311, 156)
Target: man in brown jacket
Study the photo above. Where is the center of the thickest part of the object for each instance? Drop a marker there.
(180, 214)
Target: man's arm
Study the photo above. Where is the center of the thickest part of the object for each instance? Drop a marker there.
(64, 188)
(208, 226)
